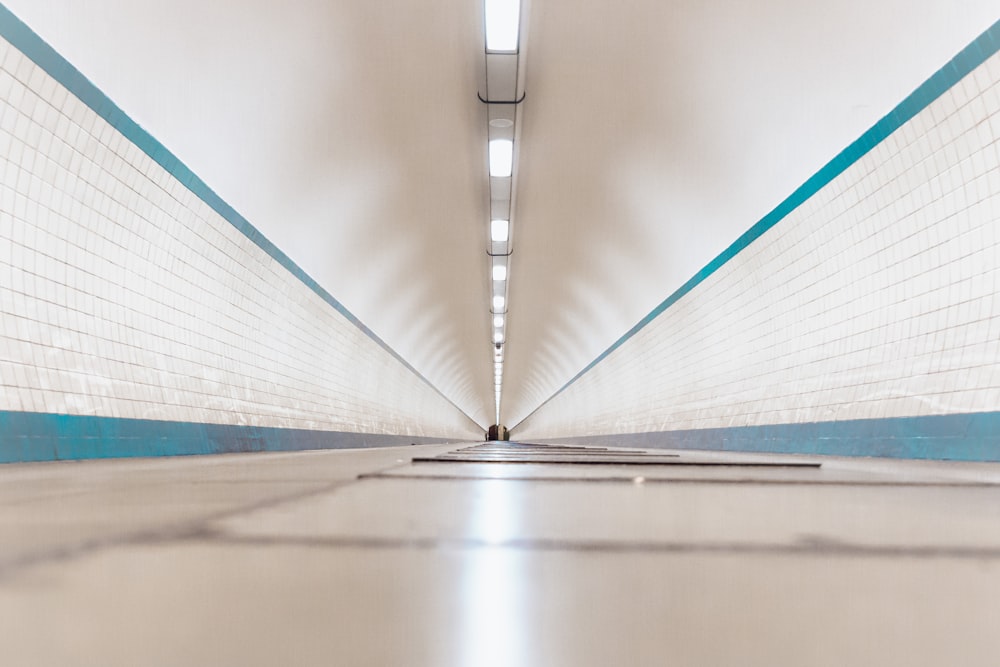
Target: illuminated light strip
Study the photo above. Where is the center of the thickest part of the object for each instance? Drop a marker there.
(503, 18)
(503, 94)
(501, 158)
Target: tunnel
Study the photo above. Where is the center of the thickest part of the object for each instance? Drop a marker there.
(499, 332)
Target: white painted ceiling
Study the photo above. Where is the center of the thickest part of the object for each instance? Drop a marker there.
(654, 133)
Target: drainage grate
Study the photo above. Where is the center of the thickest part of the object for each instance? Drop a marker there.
(522, 452)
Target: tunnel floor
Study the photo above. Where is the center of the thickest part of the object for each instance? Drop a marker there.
(499, 554)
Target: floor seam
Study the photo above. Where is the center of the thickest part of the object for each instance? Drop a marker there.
(816, 546)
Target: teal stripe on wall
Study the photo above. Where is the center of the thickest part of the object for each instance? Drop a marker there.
(34, 436)
(34, 47)
(959, 437)
(967, 60)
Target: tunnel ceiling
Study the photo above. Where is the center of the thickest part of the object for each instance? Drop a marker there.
(654, 133)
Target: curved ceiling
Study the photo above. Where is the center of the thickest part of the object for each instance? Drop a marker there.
(654, 133)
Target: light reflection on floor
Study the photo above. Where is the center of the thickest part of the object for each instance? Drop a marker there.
(495, 623)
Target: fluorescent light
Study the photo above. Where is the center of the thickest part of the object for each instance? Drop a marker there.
(501, 157)
(498, 321)
(502, 19)
(498, 303)
(499, 231)
(499, 272)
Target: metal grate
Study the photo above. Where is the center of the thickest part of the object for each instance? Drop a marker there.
(522, 452)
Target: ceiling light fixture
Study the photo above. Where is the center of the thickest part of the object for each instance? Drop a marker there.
(501, 158)
(499, 231)
(498, 303)
(498, 320)
(503, 18)
(499, 272)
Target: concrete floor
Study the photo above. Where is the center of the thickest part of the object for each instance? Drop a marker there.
(365, 558)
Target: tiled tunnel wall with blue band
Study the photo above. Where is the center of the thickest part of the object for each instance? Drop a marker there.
(141, 316)
(862, 316)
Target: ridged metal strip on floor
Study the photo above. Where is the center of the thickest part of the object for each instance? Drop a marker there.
(515, 452)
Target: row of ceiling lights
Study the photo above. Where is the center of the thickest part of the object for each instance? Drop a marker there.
(502, 22)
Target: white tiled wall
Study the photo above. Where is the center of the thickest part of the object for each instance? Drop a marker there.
(878, 297)
(123, 294)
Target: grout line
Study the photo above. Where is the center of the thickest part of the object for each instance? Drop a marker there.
(184, 529)
(631, 479)
(812, 547)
